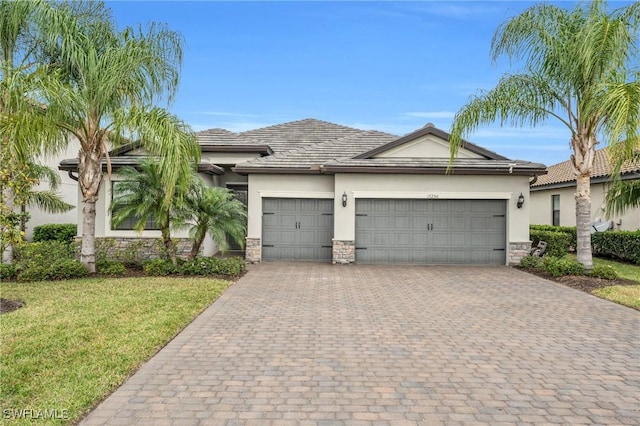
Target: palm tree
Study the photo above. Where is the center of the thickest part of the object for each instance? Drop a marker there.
(141, 194)
(106, 84)
(578, 70)
(24, 26)
(215, 211)
(623, 195)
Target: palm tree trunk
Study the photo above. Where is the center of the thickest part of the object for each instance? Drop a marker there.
(195, 248)
(169, 245)
(7, 200)
(583, 221)
(89, 178)
(88, 248)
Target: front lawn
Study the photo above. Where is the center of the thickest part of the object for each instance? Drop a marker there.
(628, 271)
(628, 295)
(624, 295)
(76, 341)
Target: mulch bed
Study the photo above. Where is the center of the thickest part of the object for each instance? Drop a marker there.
(7, 305)
(581, 282)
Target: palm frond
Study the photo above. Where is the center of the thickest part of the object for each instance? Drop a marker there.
(48, 201)
(622, 197)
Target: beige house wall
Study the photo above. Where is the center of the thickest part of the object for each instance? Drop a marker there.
(428, 146)
(435, 187)
(541, 213)
(68, 191)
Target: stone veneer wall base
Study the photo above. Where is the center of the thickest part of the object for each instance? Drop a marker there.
(253, 251)
(517, 251)
(136, 249)
(344, 252)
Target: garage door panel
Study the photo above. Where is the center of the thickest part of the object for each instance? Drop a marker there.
(431, 231)
(457, 223)
(419, 222)
(297, 229)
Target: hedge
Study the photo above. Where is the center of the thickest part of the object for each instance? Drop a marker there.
(569, 230)
(63, 232)
(623, 245)
(557, 242)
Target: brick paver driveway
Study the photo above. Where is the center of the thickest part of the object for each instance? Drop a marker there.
(321, 344)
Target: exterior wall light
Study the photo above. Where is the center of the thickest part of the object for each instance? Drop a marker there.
(344, 199)
(520, 201)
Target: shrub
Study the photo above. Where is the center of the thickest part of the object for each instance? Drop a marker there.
(557, 242)
(63, 232)
(43, 253)
(62, 269)
(233, 266)
(561, 266)
(531, 262)
(7, 272)
(110, 267)
(569, 230)
(158, 267)
(605, 272)
(623, 245)
(200, 266)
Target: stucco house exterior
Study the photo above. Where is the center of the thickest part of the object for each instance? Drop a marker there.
(318, 191)
(67, 190)
(553, 194)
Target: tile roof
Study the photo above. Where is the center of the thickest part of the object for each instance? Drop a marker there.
(316, 154)
(286, 136)
(563, 173)
(316, 146)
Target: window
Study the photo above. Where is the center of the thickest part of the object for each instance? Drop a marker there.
(129, 223)
(555, 210)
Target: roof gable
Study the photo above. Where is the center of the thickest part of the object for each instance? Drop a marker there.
(428, 142)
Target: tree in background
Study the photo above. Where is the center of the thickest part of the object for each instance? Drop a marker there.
(25, 27)
(580, 68)
(102, 90)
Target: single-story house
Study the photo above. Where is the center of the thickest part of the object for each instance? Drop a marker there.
(553, 195)
(318, 191)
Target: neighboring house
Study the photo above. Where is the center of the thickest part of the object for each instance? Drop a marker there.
(553, 195)
(318, 191)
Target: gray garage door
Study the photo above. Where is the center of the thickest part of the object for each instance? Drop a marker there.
(431, 231)
(297, 229)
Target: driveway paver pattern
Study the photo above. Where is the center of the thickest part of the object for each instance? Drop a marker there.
(317, 344)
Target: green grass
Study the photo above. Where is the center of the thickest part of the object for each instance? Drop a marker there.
(624, 295)
(76, 341)
(624, 270)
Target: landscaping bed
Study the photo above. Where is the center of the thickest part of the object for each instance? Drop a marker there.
(582, 282)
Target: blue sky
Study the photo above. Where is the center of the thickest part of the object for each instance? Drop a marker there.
(389, 66)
